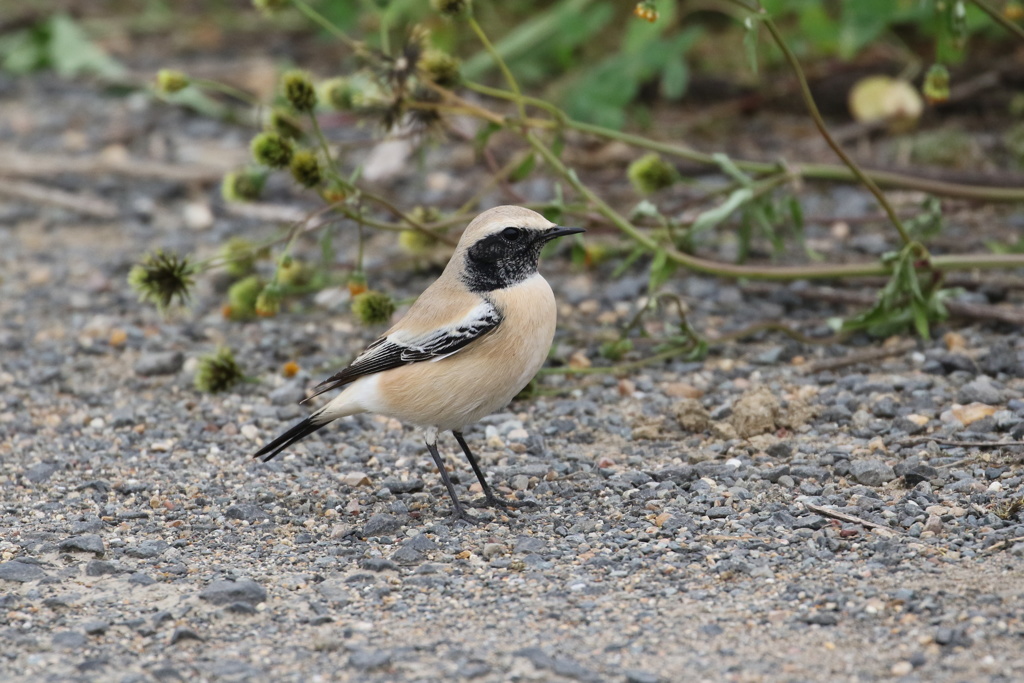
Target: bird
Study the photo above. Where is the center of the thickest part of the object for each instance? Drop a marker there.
(470, 342)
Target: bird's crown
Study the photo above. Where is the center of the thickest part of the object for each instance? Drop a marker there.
(500, 218)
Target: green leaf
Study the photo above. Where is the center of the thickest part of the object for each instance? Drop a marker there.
(674, 79)
(628, 262)
(731, 169)
(661, 270)
(713, 217)
(483, 135)
(524, 168)
(72, 53)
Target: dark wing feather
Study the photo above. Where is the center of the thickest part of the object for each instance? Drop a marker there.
(393, 351)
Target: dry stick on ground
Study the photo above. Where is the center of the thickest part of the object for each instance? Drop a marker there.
(843, 517)
(856, 357)
(955, 442)
(1003, 544)
(19, 164)
(86, 205)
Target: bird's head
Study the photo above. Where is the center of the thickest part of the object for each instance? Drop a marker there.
(501, 247)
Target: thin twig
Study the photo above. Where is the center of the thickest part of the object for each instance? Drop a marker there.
(998, 17)
(852, 519)
(1003, 544)
(52, 196)
(956, 442)
(856, 357)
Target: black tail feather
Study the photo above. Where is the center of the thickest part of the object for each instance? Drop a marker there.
(296, 433)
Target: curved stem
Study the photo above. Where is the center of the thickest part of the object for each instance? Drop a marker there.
(998, 17)
(809, 171)
(819, 122)
(324, 23)
(506, 72)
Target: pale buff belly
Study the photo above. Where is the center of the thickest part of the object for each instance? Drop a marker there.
(459, 390)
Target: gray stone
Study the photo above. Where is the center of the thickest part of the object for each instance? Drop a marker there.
(530, 544)
(141, 579)
(20, 571)
(184, 633)
(407, 554)
(378, 564)
(40, 472)
(99, 568)
(719, 512)
(640, 676)
(95, 628)
(69, 640)
(381, 524)
(365, 660)
(159, 363)
(247, 512)
(397, 486)
(288, 393)
(871, 472)
(122, 417)
(88, 543)
(981, 390)
(147, 549)
(226, 592)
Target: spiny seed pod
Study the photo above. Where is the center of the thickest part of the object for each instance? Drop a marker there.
(936, 84)
(161, 278)
(292, 272)
(271, 149)
(651, 173)
(268, 303)
(286, 125)
(217, 371)
(440, 67)
(305, 168)
(242, 186)
(373, 308)
(239, 256)
(299, 90)
(171, 81)
(416, 243)
(452, 9)
(242, 298)
(338, 92)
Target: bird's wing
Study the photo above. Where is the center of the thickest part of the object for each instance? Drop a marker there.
(402, 348)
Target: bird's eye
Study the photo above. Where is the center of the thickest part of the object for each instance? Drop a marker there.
(511, 234)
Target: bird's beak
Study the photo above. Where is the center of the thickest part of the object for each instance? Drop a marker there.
(560, 231)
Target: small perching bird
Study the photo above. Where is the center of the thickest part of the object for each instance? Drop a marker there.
(469, 344)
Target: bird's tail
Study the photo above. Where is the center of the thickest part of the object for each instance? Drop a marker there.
(296, 433)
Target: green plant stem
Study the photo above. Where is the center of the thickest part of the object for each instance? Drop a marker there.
(815, 272)
(322, 141)
(998, 17)
(810, 171)
(324, 23)
(506, 72)
(216, 86)
(819, 122)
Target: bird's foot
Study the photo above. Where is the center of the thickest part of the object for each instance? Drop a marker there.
(493, 501)
(460, 516)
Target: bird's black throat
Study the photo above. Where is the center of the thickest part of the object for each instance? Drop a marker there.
(495, 263)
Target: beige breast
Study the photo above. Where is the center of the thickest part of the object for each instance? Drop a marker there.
(482, 378)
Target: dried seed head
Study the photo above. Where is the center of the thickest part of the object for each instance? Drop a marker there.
(441, 68)
(651, 173)
(299, 91)
(242, 298)
(338, 92)
(373, 308)
(217, 371)
(305, 168)
(161, 278)
(284, 124)
(171, 81)
(239, 256)
(268, 303)
(242, 186)
(271, 149)
(270, 7)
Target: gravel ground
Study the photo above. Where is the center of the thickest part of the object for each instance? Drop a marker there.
(740, 519)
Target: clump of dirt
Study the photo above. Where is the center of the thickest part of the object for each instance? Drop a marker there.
(759, 411)
(692, 415)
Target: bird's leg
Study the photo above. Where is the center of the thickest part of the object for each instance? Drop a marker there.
(459, 513)
(490, 499)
